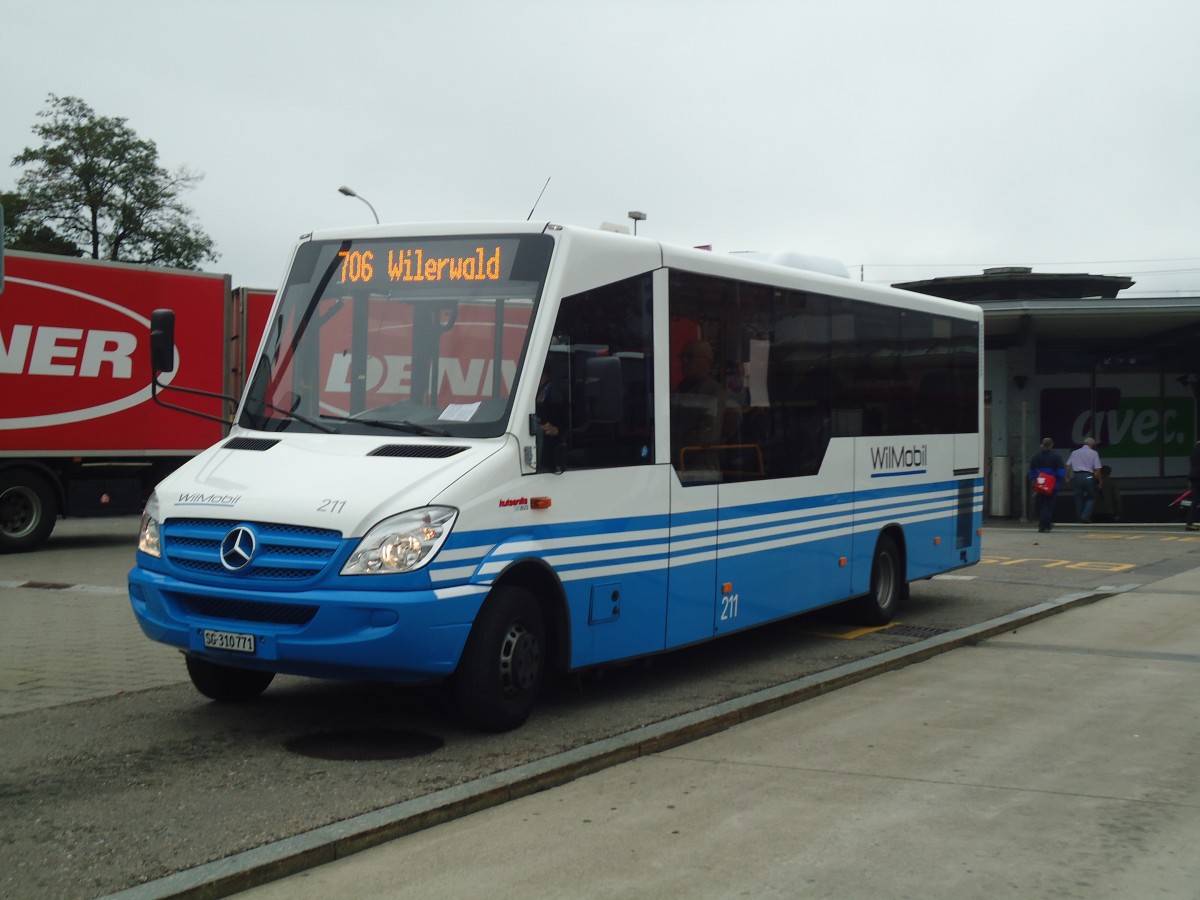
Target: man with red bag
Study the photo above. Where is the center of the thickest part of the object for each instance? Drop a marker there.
(1045, 472)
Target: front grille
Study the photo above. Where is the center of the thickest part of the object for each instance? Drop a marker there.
(246, 610)
(285, 553)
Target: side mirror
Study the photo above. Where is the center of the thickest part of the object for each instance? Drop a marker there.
(162, 340)
(162, 359)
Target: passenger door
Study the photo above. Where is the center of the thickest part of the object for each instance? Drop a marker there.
(593, 430)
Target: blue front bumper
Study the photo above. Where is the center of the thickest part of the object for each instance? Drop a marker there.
(402, 636)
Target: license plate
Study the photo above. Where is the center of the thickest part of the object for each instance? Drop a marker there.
(228, 640)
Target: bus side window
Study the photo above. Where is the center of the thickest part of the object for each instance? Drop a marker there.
(601, 358)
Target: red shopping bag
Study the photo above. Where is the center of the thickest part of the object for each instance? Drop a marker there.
(1044, 483)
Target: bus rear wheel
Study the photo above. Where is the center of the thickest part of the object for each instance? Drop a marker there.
(888, 586)
(226, 684)
(500, 675)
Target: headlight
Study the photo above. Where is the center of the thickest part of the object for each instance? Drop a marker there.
(148, 537)
(402, 543)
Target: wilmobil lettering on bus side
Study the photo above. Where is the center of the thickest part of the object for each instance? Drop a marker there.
(888, 459)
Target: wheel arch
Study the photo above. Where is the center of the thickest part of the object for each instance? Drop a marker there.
(536, 576)
(899, 537)
(866, 607)
(52, 475)
(31, 495)
(896, 532)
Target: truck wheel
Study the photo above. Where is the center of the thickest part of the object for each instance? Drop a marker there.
(225, 683)
(500, 675)
(28, 510)
(888, 587)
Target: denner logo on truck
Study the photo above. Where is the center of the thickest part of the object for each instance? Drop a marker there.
(100, 361)
(80, 434)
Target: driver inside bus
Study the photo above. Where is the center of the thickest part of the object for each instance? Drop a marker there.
(551, 410)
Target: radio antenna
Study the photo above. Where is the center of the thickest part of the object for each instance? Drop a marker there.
(538, 200)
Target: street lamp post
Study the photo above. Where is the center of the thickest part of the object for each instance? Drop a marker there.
(637, 216)
(349, 192)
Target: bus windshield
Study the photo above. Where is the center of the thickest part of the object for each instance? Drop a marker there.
(406, 335)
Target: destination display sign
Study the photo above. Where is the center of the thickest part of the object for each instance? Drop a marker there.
(428, 262)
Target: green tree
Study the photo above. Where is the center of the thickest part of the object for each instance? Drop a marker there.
(22, 234)
(94, 185)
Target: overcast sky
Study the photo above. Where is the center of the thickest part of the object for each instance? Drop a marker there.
(912, 138)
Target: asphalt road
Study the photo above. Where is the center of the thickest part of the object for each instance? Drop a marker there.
(114, 771)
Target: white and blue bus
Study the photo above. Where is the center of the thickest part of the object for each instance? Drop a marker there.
(486, 452)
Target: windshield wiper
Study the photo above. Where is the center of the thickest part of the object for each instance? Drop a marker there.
(294, 416)
(406, 427)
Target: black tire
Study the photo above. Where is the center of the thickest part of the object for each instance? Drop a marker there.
(889, 589)
(225, 683)
(500, 674)
(28, 510)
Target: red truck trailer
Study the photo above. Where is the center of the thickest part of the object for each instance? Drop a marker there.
(79, 432)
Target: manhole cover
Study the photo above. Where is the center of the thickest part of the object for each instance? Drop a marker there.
(365, 745)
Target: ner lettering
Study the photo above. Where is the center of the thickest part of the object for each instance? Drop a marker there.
(66, 352)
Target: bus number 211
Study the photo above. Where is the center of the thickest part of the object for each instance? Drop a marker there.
(729, 606)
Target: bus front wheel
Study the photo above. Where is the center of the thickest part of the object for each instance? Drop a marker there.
(500, 676)
(888, 586)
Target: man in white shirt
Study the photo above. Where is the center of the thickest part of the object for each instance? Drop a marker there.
(1083, 474)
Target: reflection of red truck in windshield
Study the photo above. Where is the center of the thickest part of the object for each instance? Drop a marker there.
(464, 374)
(79, 433)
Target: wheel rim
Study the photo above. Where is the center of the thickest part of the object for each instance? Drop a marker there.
(18, 512)
(520, 660)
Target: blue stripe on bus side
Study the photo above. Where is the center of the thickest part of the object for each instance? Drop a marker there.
(592, 548)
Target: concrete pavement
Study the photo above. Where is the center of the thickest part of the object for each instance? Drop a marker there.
(65, 632)
(1061, 759)
(71, 643)
(1040, 755)
(1057, 757)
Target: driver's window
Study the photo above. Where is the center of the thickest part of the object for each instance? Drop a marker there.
(595, 393)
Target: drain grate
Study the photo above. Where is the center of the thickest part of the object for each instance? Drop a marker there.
(919, 632)
(365, 745)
